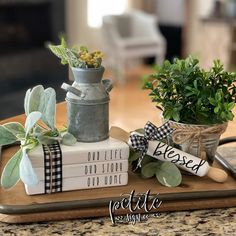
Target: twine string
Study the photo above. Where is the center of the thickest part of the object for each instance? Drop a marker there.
(186, 133)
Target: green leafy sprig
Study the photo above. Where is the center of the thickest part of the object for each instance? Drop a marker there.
(39, 128)
(189, 94)
(76, 57)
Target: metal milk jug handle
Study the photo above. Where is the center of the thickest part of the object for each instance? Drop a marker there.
(107, 84)
(72, 89)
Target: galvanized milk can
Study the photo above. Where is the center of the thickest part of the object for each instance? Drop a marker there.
(88, 105)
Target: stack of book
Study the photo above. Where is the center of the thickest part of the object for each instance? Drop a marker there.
(84, 166)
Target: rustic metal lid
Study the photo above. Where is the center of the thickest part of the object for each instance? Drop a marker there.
(88, 75)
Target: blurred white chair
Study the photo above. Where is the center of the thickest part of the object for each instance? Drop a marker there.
(131, 35)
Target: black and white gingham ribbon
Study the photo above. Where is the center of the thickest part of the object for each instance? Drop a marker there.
(151, 132)
(52, 168)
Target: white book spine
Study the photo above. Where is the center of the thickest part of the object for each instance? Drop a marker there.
(108, 150)
(85, 169)
(84, 182)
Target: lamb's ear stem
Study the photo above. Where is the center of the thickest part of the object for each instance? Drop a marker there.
(118, 133)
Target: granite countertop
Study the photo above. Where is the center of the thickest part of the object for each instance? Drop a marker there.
(201, 222)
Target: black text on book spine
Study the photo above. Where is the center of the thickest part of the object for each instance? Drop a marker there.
(105, 167)
(107, 155)
(106, 180)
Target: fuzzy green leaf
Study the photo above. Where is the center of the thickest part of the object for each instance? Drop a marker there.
(48, 107)
(15, 128)
(68, 139)
(6, 137)
(34, 98)
(31, 120)
(65, 54)
(168, 174)
(149, 169)
(133, 156)
(26, 171)
(10, 175)
(43, 139)
(148, 159)
(38, 131)
(49, 137)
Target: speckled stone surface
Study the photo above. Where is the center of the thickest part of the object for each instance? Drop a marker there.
(204, 222)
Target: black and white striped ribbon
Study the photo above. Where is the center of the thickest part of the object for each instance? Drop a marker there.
(52, 168)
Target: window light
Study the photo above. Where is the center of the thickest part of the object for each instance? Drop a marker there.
(99, 8)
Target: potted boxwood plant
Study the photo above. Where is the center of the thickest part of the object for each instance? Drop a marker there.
(198, 103)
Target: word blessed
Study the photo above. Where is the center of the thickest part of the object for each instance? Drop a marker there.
(168, 153)
(134, 203)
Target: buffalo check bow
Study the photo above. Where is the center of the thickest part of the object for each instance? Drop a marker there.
(151, 132)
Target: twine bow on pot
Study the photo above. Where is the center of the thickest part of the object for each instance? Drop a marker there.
(188, 133)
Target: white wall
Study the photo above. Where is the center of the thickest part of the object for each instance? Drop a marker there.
(169, 12)
(172, 12)
(197, 9)
(77, 29)
(205, 7)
